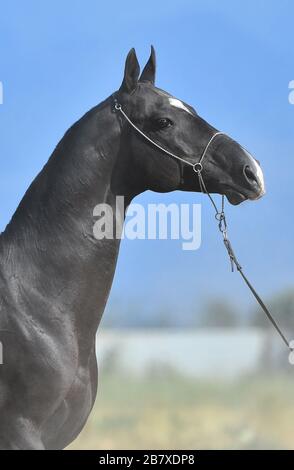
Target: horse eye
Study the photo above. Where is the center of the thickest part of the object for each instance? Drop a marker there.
(162, 123)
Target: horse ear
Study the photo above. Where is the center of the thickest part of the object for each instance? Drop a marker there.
(132, 71)
(148, 74)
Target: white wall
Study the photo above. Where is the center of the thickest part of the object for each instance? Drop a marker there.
(197, 353)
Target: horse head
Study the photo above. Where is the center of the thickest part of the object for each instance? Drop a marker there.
(175, 126)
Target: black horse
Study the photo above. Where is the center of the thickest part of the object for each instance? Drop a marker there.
(56, 276)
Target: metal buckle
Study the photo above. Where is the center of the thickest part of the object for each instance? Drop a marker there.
(117, 105)
(197, 167)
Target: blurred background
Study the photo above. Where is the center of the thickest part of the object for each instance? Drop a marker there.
(186, 359)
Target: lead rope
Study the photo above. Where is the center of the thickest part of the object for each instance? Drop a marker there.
(223, 228)
(219, 215)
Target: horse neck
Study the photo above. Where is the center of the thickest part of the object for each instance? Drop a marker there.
(49, 246)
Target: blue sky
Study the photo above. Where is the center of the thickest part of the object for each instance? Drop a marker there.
(232, 61)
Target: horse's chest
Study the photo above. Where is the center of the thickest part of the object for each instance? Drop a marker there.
(70, 417)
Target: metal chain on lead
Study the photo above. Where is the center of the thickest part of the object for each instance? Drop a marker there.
(223, 228)
(219, 214)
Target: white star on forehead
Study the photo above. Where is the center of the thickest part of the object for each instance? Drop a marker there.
(179, 104)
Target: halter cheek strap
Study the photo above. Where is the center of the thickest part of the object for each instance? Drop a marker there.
(197, 167)
(219, 214)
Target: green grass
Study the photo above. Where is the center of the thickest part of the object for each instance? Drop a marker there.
(171, 412)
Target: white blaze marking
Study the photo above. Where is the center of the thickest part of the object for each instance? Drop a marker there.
(259, 173)
(179, 104)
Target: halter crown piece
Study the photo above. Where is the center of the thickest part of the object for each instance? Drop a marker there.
(219, 214)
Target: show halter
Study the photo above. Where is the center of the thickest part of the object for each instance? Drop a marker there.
(219, 214)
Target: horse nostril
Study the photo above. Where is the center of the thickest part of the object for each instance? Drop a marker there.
(250, 175)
